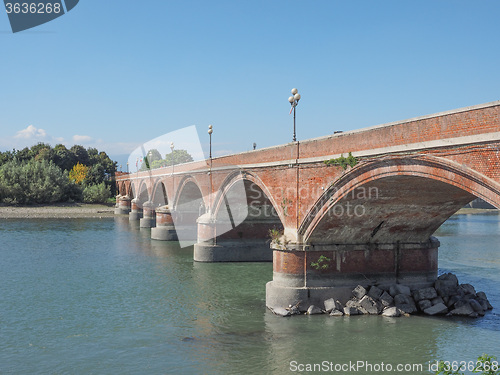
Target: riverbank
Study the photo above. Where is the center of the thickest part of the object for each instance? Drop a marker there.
(59, 211)
(79, 210)
(483, 211)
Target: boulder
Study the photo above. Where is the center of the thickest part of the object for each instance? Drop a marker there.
(375, 292)
(313, 310)
(424, 304)
(396, 289)
(449, 277)
(464, 310)
(405, 303)
(386, 300)
(437, 300)
(437, 309)
(446, 285)
(476, 306)
(359, 292)
(424, 293)
(392, 312)
(452, 300)
(351, 311)
(331, 304)
(371, 306)
(281, 311)
(336, 312)
(467, 289)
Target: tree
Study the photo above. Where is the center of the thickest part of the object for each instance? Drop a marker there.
(27, 182)
(64, 158)
(178, 157)
(46, 153)
(78, 173)
(152, 156)
(81, 154)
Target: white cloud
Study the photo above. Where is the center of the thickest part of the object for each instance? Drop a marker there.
(82, 138)
(31, 132)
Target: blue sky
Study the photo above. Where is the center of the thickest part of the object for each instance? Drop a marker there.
(113, 74)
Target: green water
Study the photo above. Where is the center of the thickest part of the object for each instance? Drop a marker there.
(99, 297)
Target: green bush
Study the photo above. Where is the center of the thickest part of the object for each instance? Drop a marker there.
(99, 193)
(32, 181)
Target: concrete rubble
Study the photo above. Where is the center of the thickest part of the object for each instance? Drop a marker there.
(447, 298)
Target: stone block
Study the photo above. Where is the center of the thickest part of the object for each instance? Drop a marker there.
(445, 290)
(331, 304)
(392, 312)
(399, 289)
(437, 309)
(424, 293)
(359, 292)
(375, 292)
(424, 304)
(437, 300)
(450, 278)
(371, 306)
(386, 300)
(405, 303)
(351, 311)
(464, 310)
(336, 312)
(401, 299)
(476, 306)
(281, 311)
(467, 289)
(313, 310)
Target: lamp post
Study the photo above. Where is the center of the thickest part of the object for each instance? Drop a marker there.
(210, 131)
(127, 166)
(173, 181)
(294, 102)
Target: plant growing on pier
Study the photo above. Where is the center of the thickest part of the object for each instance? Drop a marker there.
(284, 205)
(322, 263)
(275, 235)
(342, 161)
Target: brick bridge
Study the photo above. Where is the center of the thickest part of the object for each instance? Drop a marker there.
(333, 228)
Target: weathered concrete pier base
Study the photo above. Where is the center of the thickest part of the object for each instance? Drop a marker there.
(165, 229)
(149, 215)
(124, 205)
(311, 274)
(136, 212)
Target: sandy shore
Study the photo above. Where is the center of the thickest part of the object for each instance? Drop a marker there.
(61, 211)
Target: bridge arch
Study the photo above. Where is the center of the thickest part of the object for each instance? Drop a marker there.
(259, 200)
(159, 193)
(397, 199)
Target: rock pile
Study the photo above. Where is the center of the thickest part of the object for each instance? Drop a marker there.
(446, 297)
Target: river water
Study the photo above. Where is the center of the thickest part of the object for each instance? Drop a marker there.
(92, 296)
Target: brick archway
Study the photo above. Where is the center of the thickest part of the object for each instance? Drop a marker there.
(432, 189)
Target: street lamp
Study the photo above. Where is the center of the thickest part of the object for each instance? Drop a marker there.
(294, 102)
(210, 131)
(173, 181)
(127, 166)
